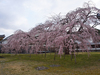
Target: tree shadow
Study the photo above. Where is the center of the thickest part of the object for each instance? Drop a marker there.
(1, 57)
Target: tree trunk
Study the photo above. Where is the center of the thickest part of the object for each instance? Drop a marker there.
(50, 51)
(45, 51)
(64, 53)
(66, 50)
(72, 55)
(75, 58)
(54, 56)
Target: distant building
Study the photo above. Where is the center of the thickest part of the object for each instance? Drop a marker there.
(1, 38)
(5, 41)
(95, 46)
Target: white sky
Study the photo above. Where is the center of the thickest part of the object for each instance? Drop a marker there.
(26, 14)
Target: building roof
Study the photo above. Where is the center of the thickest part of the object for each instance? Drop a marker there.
(2, 36)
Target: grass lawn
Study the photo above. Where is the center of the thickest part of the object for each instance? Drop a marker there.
(23, 64)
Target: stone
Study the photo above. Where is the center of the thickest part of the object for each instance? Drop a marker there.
(54, 65)
(41, 68)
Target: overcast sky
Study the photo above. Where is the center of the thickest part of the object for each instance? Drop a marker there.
(26, 14)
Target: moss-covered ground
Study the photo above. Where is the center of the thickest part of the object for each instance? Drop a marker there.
(23, 64)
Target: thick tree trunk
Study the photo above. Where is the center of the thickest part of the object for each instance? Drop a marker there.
(66, 50)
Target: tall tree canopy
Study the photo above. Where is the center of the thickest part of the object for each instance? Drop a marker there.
(76, 28)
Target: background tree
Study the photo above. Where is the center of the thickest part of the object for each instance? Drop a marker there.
(18, 42)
